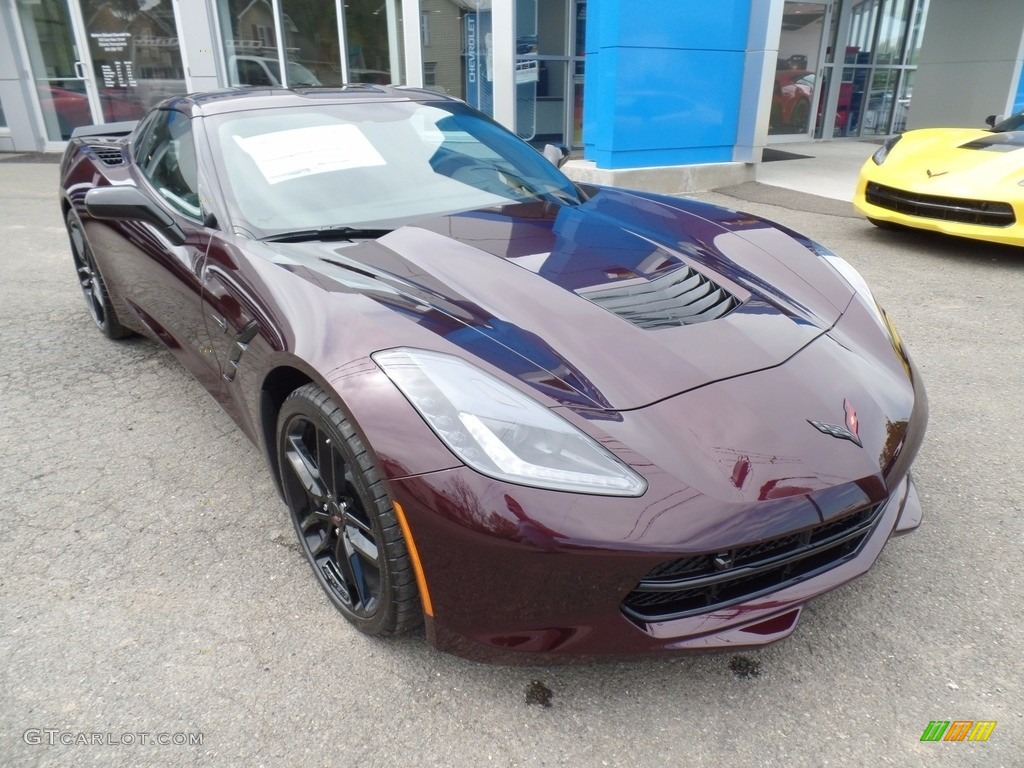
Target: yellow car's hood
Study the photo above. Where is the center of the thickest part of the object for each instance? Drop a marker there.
(963, 162)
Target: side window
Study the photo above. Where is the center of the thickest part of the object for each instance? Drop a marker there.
(143, 136)
(167, 157)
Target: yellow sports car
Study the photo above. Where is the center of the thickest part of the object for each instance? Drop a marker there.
(961, 181)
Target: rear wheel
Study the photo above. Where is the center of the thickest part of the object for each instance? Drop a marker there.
(91, 282)
(344, 520)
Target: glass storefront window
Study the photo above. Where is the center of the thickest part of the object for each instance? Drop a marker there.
(136, 56)
(878, 102)
(311, 46)
(795, 86)
(308, 32)
(550, 49)
(874, 65)
(444, 65)
(917, 31)
(373, 35)
(250, 42)
(53, 56)
(892, 31)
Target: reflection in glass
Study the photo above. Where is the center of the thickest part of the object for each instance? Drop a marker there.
(52, 55)
(550, 50)
(136, 55)
(442, 35)
(794, 89)
(917, 31)
(310, 29)
(250, 42)
(373, 32)
(879, 103)
(902, 108)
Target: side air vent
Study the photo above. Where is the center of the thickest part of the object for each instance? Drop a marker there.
(109, 154)
(682, 296)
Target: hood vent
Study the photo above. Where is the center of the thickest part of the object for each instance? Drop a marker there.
(1008, 141)
(109, 154)
(682, 296)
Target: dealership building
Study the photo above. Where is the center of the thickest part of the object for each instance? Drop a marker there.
(673, 93)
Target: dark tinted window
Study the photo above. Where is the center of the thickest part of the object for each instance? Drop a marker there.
(167, 157)
(143, 135)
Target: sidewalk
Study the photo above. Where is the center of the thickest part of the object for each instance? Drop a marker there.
(829, 169)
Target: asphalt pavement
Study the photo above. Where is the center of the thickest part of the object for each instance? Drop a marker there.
(156, 610)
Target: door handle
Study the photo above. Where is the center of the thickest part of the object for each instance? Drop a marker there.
(80, 70)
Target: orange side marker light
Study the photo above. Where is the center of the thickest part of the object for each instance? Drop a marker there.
(414, 555)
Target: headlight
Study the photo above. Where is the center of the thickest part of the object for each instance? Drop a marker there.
(883, 151)
(501, 432)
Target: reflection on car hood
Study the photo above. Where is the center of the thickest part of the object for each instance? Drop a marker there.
(509, 287)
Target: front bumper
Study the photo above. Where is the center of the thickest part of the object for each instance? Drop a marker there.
(1010, 234)
(531, 596)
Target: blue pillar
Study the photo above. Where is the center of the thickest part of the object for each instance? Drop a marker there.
(663, 81)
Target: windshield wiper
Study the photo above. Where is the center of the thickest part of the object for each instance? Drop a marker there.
(325, 233)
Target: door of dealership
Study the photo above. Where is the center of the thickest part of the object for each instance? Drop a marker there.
(95, 61)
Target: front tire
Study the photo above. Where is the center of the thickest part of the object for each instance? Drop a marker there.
(91, 282)
(343, 517)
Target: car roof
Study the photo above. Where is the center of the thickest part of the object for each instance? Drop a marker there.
(241, 98)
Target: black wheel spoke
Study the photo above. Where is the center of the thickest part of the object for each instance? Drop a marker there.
(316, 517)
(354, 521)
(352, 567)
(305, 469)
(84, 276)
(325, 462)
(362, 544)
(326, 546)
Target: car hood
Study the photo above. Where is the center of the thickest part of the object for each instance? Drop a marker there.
(577, 301)
(961, 162)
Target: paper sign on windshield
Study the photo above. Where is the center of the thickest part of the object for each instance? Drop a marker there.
(298, 152)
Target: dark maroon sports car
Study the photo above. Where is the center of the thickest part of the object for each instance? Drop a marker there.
(550, 420)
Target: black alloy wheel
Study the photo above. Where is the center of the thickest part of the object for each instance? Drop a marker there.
(343, 517)
(89, 280)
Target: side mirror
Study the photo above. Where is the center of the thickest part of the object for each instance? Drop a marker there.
(991, 120)
(556, 154)
(129, 203)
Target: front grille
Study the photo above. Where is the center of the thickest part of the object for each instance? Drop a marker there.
(680, 297)
(712, 580)
(986, 212)
(109, 154)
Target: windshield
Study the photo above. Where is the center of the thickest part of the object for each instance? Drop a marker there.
(1012, 123)
(375, 165)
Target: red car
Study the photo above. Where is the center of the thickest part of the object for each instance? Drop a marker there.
(550, 420)
(72, 107)
(791, 101)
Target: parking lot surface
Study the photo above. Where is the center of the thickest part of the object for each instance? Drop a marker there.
(155, 608)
